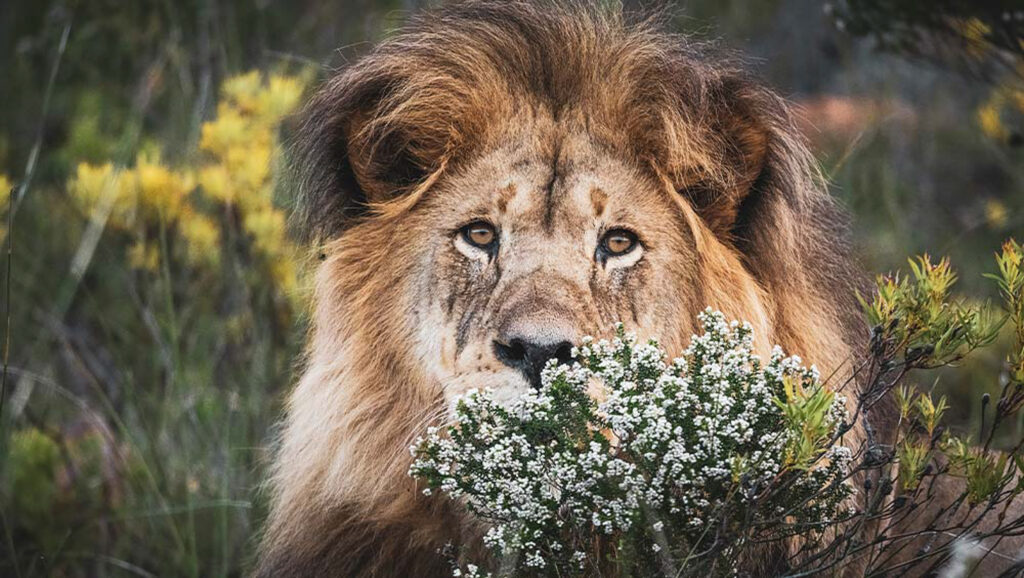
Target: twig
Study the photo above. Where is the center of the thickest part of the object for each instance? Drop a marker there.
(7, 306)
(33, 157)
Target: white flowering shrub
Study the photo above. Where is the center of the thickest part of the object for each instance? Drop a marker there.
(677, 467)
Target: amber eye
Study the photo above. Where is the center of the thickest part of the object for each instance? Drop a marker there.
(480, 234)
(618, 242)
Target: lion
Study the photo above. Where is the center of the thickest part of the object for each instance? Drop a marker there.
(491, 184)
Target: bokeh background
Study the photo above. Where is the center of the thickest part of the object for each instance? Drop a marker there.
(154, 300)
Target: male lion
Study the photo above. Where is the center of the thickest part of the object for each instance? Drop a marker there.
(491, 184)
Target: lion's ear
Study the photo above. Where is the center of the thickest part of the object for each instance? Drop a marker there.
(357, 146)
(391, 151)
(743, 139)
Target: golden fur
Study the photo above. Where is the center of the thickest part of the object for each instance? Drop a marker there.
(554, 121)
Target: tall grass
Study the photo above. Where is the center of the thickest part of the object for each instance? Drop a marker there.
(138, 446)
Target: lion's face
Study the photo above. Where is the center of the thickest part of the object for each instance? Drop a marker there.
(535, 245)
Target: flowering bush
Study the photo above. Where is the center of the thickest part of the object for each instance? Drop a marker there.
(673, 455)
(719, 463)
(230, 187)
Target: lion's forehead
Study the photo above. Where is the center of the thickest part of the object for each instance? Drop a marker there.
(577, 182)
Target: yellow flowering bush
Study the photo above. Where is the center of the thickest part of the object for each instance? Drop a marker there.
(232, 181)
(185, 283)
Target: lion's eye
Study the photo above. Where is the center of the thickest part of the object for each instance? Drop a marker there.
(480, 234)
(618, 242)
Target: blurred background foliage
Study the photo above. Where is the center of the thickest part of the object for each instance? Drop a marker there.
(157, 301)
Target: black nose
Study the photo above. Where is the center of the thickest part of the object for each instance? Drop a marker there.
(530, 357)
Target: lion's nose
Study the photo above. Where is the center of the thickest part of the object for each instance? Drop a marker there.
(530, 356)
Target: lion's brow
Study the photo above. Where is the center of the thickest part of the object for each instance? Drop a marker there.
(598, 200)
(505, 195)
